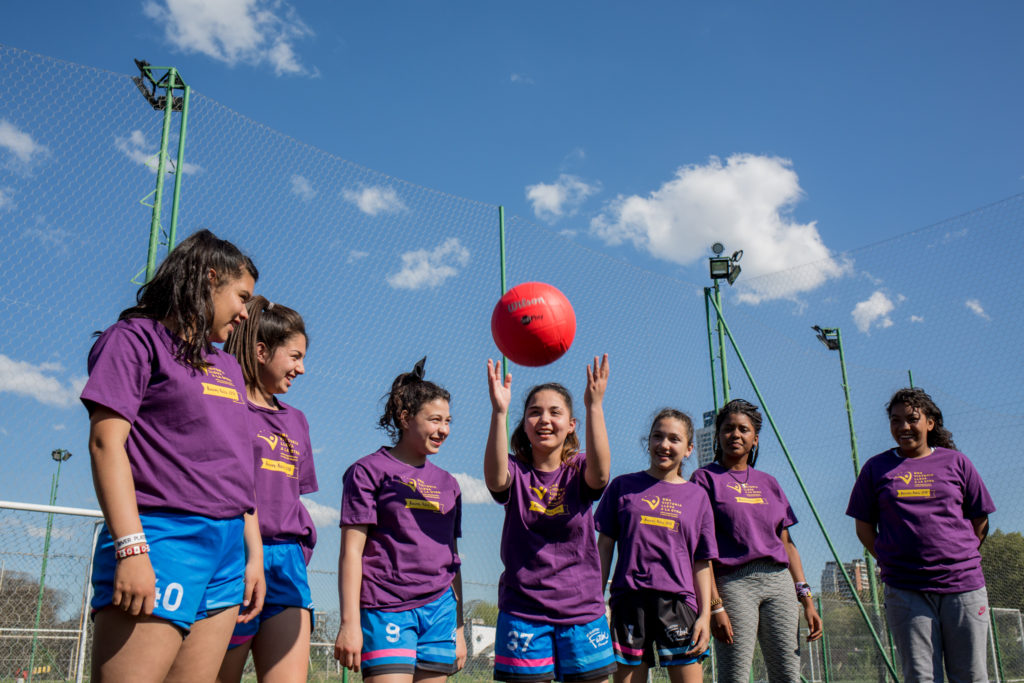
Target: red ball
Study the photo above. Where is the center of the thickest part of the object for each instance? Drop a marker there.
(533, 324)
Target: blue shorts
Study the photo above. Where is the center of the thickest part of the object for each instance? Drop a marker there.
(526, 650)
(419, 638)
(284, 568)
(199, 564)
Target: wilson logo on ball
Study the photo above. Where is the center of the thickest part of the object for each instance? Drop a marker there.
(533, 324)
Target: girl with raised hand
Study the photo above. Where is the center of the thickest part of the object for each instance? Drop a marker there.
(758, 567)
(172, 467)
(922, 510)
(398, 571)
(270, 345)
(551, 619)
(665, 533)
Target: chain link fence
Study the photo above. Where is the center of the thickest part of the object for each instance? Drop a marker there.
(386, 271)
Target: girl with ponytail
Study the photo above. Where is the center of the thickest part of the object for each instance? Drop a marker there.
(398, 571)
(270, 346)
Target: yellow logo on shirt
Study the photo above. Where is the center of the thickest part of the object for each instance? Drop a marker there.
(223, 392)
(271, 440)
(411, 483)
(420, 504)
(658, 521)
(914, 493)
(277, 466)
(905, 477)
(653, 503)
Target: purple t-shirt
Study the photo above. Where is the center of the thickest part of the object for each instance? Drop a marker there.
(660, 529)
(750, 513)
(923, 508)
(548, 545)
(414, 515)
(189, 444)
(283, 458)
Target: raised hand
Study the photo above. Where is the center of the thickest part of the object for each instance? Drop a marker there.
(597, 381)
(500, 391)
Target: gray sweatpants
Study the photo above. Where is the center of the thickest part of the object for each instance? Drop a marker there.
(932, 628)
(762, 607)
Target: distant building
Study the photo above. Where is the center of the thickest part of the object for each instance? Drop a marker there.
(832, 581)
(704, 440)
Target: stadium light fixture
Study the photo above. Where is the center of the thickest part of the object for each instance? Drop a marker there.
(724, 267)
(828, 336)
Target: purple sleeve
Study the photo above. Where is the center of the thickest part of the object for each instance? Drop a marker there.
(605, 519)
(119, 372)
(788, 516)
(701, 479)
(707, 545)
(358, 497)
(863, 503)
(977, 501)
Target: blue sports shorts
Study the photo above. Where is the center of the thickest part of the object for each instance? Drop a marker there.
(284, 568)
(199, 564)
(419, 638)
(527, 650)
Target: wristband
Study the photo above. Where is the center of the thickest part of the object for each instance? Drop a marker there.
(138, 549)
(716, 611)
(803, 590)
(130, 539)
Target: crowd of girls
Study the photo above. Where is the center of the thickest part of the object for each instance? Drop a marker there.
(201, 561)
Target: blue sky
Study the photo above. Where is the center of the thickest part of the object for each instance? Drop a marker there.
(622, 141)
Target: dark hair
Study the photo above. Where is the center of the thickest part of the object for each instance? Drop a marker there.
(738, 407)
(408, 393)
(269, 323)
(522, 450)
(670, 414)
(917, 399)
(181, 292)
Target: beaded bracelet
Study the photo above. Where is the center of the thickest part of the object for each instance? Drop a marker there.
(803, 590)
(715, 602)
(130, 539)
(138, 549)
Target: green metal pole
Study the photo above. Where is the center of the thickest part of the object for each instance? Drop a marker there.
(154, 226)
(807, 494)
(721, 345)
(910, 376)
(869, 563)
(824, 642)
(504, 286)
(995, 645)
(180, 163)
(42, 574)
(711, 346)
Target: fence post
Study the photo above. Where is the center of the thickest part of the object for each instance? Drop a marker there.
(83, 637)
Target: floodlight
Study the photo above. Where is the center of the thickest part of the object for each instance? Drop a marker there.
(719, 268)
(734, 272)
(827, 337)
(718, 248)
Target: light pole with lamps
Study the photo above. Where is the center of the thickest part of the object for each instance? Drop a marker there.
(720, 268)
(59, 455)
(832, 338)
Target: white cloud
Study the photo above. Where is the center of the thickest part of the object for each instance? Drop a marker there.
(429, 268)
(874, 312)
(302, 188)
(19, 143)
(743, 203)
(375, 200)
(473, 490)
(59, 427)
(521, 79)
(56, 239)
(135, 147)
(563, 197)
(323, 515)
(356, 255)
(25, 379)
(917, 319)
(567, 233)
(250, 32)
(975, 306)
(6, 198)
